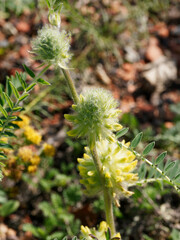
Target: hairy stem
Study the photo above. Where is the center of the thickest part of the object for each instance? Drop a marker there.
(97, 162)
(71, 85)
(107, 198)
(109, 211)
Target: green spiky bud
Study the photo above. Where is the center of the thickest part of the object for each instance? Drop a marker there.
(52, 46)
(95, 117)
(118, 163)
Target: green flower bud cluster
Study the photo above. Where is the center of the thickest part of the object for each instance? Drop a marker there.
(95, 117)
(52, 46)
(117, 166)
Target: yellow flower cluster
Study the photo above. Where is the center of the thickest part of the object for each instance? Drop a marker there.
(99, 234)
(117, 166)
(48, 150)
(32, 135)
(25, 122)
(27, 155)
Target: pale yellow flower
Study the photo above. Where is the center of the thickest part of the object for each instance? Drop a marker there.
(99, 234)
(35, 160)
(32, 135)
(25, 122)
(32, 168)
(25, 153)
(48, 150)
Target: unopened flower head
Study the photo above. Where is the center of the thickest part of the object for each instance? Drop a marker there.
(117, 166)
(95, 117)
(52, 46)
(99, 233)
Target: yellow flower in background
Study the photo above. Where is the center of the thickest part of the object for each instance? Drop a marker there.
(32, 168)
(32, 135)
(99, 234)
(48, 150)
(35, 160)
(25, 153)
(25, 122)
(117, 166)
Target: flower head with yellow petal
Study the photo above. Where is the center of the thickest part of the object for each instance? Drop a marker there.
(117, 165)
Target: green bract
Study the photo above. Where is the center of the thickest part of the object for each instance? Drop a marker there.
(117, 166)
(52, 46)
(95, 117)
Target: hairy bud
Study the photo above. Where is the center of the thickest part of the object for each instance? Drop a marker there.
(52, 46)
(95, 117)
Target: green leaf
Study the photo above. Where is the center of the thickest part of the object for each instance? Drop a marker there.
(30, 87)
(3, 156)
(122, 132)
(148, 148)
(160, 158)
(9, 207)
(136, 140)
(17, 109)
(5, 145)
(3, 197)
(3, 111)
(56, 201)
(57, 236)
(48, 3)
(169, 166)
(15, 91)
(24, 96)
(8, 87)
(9, 101)
(34, 230)
(42, 81)
(13, 126)
(9, 134)
(177, 177)
(29, 71)
(21, 80)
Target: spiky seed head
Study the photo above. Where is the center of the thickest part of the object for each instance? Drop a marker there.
(118, 163)
(52, 46)
(95, 116)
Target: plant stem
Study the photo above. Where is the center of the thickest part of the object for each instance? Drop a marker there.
(71, 85)
(109, 211)
(107, 197)
(97, 163)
